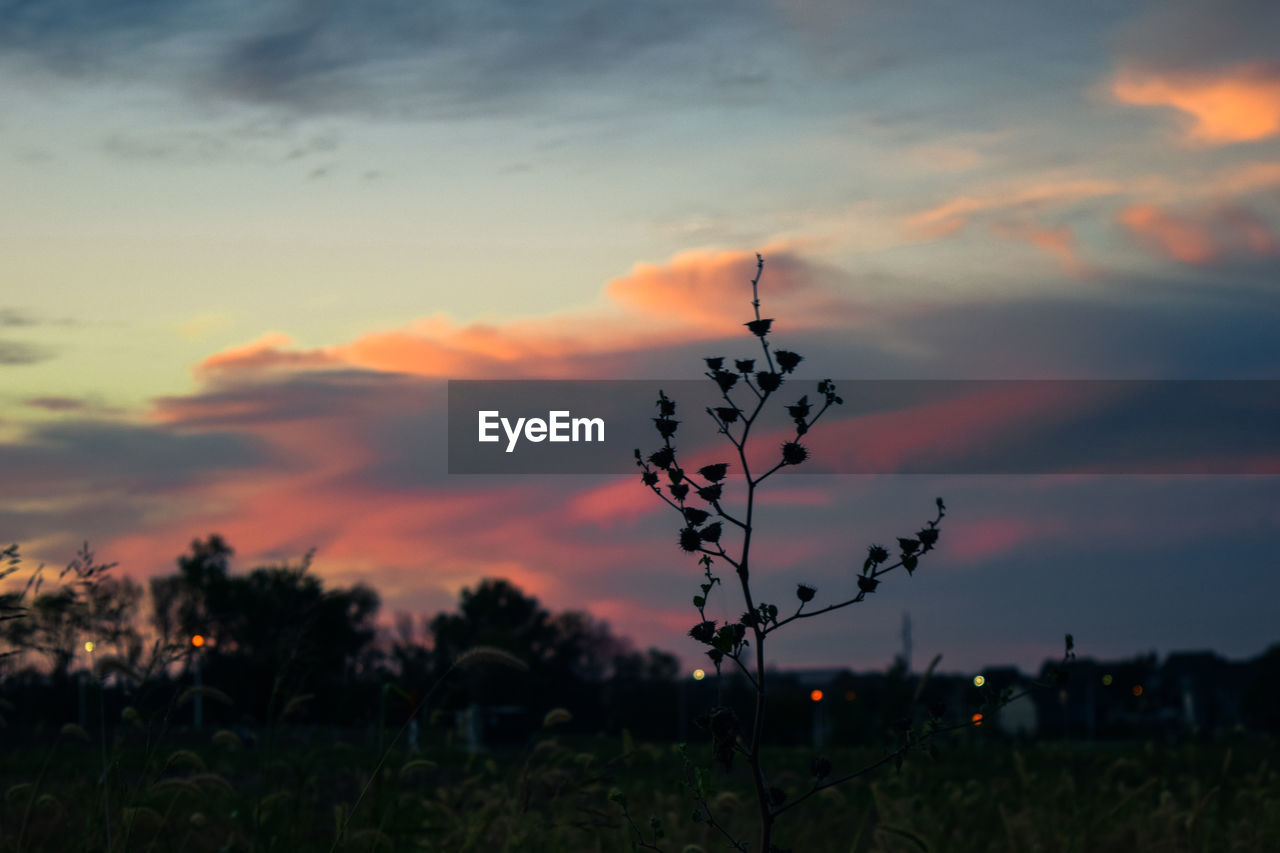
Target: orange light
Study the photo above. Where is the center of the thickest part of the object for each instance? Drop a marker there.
(850, 696)
(197, 640)
(1137, 690)
(977, 719)
(816, 695)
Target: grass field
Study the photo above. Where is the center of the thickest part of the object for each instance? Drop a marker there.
(209, 792)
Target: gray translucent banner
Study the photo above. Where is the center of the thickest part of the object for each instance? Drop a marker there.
(883, 426)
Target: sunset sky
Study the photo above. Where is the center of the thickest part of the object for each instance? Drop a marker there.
(242, 245)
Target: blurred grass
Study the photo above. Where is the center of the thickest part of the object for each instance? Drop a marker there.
(215, 794)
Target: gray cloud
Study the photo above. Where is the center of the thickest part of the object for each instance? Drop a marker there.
(384, 56)
(1194, 33)
(1219, 325)
(12, 318)
(68, 457)
(397, 59)
(16, 353)
(402, 58)
(15, 318)
(57, 404)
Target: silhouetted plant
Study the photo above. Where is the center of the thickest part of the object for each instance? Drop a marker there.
(86, 602)
(698, 499)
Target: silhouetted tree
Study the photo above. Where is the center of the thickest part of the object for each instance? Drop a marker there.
(570, 654)
(274, 632)
(196, 599)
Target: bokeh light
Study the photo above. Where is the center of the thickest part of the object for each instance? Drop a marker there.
(197, 640)
(699, 674)
(88, 647)
(816, 695)
(979, 680)
(1107, 679)
(1137, 690)
(976, 719)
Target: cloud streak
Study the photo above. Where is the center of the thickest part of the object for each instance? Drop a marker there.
(653, 307)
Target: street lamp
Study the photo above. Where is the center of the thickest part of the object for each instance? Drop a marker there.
(819, 719)
(89, 646)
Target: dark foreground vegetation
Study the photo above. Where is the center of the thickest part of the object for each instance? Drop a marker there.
(503, 726)
(304, 791)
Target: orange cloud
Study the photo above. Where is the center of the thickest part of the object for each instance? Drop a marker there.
(1236, 104)
(690, 298)
(267, 352)
(1175, 237)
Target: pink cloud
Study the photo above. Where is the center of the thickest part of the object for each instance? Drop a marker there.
(631, 618)
(975, 541)
(620, 502)
(1059, 242)
(1175, 237)
(883, 441)
(1202, 237)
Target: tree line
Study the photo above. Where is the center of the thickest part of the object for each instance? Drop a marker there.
(277, 634)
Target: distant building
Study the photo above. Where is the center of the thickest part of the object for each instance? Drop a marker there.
(1189, 694)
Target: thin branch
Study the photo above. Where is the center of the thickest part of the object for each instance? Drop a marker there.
(715, 824)
(765, 475)
(639, 835)
(745, 672)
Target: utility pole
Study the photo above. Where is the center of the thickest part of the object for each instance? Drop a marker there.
(197, 717)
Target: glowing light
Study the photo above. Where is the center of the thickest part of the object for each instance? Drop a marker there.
(197, 640)
(1107, 679)
(1137, 690)
(979, 680)
(976, 719)
(850, 696)
(699, 674)
(88, 647)
(816, 696)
